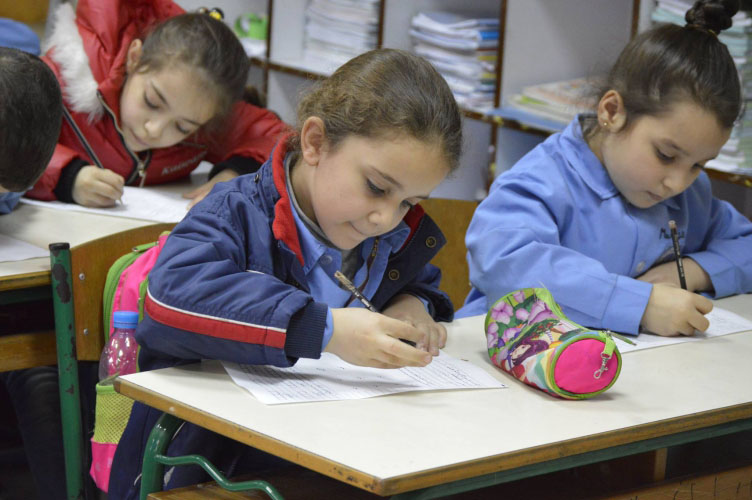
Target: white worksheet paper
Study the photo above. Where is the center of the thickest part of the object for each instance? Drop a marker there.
(12, 250)
(137, 203)
(722, 322)
(330, 378)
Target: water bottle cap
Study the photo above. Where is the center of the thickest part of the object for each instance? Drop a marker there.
(125, 319)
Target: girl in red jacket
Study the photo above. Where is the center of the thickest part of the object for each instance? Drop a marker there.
(151, 92)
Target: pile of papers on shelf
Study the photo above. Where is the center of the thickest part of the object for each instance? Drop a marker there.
(736, 154)
(338, 30)
(463, 50)
(556, 101)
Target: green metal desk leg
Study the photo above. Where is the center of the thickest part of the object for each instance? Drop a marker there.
(65, 336)
(152, 472)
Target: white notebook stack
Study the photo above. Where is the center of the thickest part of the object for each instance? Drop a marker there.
(338, 30)
(463, 50)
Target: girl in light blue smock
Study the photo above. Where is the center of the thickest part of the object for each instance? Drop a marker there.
(585, 214)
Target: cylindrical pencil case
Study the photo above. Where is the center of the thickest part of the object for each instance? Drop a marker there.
(530, 338)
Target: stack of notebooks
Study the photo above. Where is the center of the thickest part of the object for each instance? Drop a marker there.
(550, 106)
(736, 154)
(463, 50)
(338, 30)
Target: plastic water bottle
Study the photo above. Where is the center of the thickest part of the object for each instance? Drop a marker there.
(120, 354)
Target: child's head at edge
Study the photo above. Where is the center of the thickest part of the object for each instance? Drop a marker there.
(197, 64)
(30, 117)
(373, 139)
(674, 91)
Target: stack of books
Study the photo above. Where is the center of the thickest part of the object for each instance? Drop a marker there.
(736, 154)
(555, 102)
(463, 50)
(338, 30)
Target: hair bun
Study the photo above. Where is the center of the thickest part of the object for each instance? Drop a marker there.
(712, 15)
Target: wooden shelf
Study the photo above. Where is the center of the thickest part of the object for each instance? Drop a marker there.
(733, 178)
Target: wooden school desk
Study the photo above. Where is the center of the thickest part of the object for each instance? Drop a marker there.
(428, 444)
(29, 280)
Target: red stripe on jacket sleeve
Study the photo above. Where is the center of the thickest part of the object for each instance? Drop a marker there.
(214, 327)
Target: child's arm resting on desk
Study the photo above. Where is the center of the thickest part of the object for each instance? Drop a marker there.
(205, 302)
(513, 242)
(725, 251)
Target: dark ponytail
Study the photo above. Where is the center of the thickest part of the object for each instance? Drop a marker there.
(671, 63)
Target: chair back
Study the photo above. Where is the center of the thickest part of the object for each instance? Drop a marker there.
(90, 262)
(453, 217)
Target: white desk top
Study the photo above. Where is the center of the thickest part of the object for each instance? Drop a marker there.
(423, 438)
(41, 226)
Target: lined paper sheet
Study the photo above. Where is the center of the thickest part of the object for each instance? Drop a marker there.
(12, 250)
(330, 378)
(138, 203)
(722, 322)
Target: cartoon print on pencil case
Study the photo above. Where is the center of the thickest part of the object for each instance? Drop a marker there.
(529, 327)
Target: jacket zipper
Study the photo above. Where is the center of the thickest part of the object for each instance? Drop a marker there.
(140, 165)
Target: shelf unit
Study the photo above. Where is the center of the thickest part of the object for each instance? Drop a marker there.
(540, 41)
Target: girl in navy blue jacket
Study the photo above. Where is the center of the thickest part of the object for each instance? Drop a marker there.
(248, 275)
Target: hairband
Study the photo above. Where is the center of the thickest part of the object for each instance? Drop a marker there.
(215, 12)
(700, 27)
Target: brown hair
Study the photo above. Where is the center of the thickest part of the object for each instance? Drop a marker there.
(669, 63)
(382, 93)
(206, 44)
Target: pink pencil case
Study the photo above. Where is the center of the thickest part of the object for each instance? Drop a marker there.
(531, 339)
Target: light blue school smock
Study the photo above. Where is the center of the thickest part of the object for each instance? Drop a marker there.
(556, 220)
(8, 202)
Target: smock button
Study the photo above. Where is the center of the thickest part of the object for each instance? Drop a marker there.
(256, 178)
(393, 275)
(640, 266)
(431, 242)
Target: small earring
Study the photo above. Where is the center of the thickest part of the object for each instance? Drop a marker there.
(605, 124)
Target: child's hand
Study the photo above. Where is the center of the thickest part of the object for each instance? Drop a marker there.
(695, 276)
(672, 311)
(97, 187)
(411, 310)
(365, 338)
(200, 192)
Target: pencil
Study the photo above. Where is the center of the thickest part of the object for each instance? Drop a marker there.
(348, 284)
(677, 254)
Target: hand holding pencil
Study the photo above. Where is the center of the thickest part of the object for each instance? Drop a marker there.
(97, 187)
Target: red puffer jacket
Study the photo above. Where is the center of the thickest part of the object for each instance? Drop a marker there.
(87, 52)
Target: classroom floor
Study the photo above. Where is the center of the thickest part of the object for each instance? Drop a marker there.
(16, 482)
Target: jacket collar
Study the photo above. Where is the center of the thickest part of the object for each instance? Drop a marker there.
(584, 162)
(283, 227)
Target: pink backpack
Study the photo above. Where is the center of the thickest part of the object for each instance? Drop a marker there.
(124, 290)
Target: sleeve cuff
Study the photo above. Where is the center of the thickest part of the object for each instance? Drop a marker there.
(328, 330)
(627, 304)
(64, 189)
(240, 164)
(722, 272)
(305, 331)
